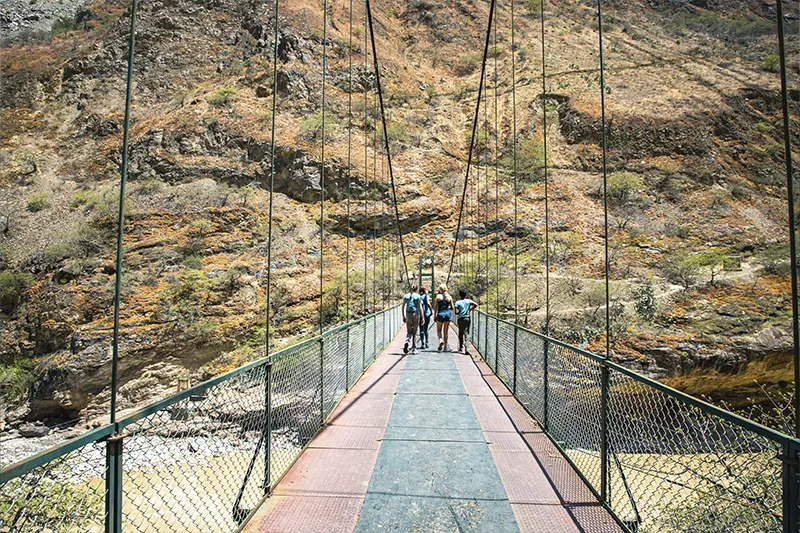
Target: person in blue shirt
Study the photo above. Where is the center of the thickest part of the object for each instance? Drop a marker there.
(463, 308)
(412, 313)
(427, 312)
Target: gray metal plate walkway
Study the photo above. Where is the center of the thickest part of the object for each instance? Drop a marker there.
(431, 442)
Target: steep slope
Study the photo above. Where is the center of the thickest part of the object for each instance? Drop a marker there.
(695, 163)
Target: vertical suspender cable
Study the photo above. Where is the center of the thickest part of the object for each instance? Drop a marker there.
(349, 166)
(546, 184)
(787, 150)
(514, 156)
(386, 140)
(604, 385)
(374, 226)
(267, 333)
(487, 153)
(322, 172)
(472, 139)
(605, 173)
(121, 211)
(366, 161)
(496, 183)
(271, 179)
(322, 216)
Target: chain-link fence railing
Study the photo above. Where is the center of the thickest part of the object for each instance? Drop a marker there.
(198, 461)
(57, 491)
(660, 460)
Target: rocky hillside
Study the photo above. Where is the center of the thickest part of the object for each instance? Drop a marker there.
(699, 245)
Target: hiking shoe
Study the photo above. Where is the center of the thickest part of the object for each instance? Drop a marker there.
(441, 345)
(405, 347)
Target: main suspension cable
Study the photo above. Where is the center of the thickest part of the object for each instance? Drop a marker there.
(472, 140)
(386, 139)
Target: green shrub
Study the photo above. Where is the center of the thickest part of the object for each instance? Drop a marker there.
(311, 126)
(621, 185)
(58, 251)
(533, 7)
(530, 158)
(63, 25)
(397, 132)
(83, 197)
(193, 262)
(13, 286)
(771, 63)
(222, 97)
(38, 201)
(467, 64)
(15, 379)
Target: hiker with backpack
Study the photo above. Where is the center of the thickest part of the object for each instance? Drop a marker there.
(463, 307)
(412, 315)
(427, 313)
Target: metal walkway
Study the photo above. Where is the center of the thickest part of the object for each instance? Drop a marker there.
(431, 442)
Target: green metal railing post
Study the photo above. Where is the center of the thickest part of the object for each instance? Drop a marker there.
(545, 403)
(791, 486)
(114, 484)
(268, 430)
(604, 492)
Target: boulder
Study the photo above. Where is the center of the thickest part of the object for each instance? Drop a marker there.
(33, 430)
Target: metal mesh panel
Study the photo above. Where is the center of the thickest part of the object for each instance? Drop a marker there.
(505, 358)
(684, 469)
(489, 341)
(478, 334)
(574, 409)
(379, 334)
(370, 350)
(335, 375)
(530, 371)
(356, 352)
(295, 405)
(183, 465)
(65, 494)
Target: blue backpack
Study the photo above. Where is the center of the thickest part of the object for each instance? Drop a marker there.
(412, 300)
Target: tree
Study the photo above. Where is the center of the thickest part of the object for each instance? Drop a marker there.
(13, 285)
(621, 185)
(644, 299)
(715, 262)
(684, 270)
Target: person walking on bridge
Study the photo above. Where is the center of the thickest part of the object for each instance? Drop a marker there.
(412, 313)
(427, 312)
(443, 311)
(463, 307)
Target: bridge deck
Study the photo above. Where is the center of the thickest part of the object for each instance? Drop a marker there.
(431, 442)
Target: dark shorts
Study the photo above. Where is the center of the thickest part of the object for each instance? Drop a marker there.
(463, 324)
(444, 316)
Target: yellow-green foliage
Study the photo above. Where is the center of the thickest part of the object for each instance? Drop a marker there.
(622, 185)
(311, 126)
(38, 201)
(222, 97)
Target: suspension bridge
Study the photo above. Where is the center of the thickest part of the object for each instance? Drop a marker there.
(345, 432)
